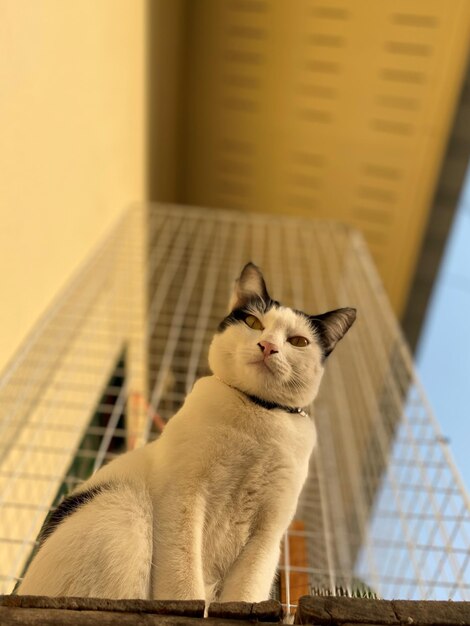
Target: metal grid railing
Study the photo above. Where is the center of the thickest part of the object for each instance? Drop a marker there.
(113, 359)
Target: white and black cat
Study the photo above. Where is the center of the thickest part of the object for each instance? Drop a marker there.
(200, 513)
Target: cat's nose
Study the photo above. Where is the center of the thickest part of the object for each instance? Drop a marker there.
(267, 348)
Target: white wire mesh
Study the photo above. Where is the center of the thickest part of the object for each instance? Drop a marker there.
(119, 349)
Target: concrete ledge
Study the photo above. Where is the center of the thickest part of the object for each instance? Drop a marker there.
(337, 610)
(315, 610)
(430, 612)
(184, 608)
(47, 611)
(11, 616)
(269, 611)
(346, 611)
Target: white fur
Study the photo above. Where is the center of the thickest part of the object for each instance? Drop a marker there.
(291, 377)
(199, 513)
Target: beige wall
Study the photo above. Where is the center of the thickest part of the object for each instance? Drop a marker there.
(167, 47)
(326, 110)
(72, 148)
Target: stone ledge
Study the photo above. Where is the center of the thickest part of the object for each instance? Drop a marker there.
(12, 616)
(49, 611)
(315, 610)
(268, 611)
(336, 611)
(432, 612)
(183, 608)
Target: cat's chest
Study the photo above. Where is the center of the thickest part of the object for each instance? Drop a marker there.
(248, 452)
(250, 472)
(253, 487)
(242, 469)
(241, 459)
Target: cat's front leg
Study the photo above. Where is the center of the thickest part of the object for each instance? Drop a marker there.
(251, 576)
(177, 572)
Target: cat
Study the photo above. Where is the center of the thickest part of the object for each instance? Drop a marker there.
(200, 512)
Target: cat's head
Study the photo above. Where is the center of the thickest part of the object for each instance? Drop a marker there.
(271, 351)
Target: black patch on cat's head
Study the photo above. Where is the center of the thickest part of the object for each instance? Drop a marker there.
(239, 314)
(330, 327)
(250, 294)
(250, 284)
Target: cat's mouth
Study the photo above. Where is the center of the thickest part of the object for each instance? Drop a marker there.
(262, 363)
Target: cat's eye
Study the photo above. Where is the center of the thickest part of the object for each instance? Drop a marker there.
(253, 322)
(300, 342)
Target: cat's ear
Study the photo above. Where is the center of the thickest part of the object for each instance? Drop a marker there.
(332, 327)
(249, 285)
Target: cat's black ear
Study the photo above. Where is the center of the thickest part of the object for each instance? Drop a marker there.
(332, 326)
(249, 285)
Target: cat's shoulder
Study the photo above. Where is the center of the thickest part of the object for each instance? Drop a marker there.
(211, 388)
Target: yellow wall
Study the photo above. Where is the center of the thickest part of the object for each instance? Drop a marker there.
(326, 109)
(166, 34)
(72, 152)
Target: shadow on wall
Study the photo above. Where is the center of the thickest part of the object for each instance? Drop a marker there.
(166, 51)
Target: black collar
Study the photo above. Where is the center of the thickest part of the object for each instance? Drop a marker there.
(265, 404)
(273, 405)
